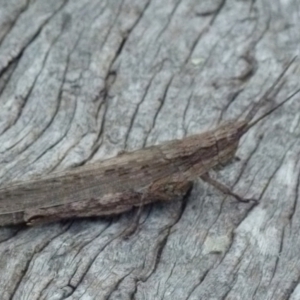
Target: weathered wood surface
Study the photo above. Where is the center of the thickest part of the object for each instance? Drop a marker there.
(82, 80)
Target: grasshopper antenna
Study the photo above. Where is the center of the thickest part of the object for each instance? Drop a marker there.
(266, 95)
(249, 125)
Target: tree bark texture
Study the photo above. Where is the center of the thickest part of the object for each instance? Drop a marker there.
(81, 80)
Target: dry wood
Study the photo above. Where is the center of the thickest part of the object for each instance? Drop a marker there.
(81, 80)
(158, 173)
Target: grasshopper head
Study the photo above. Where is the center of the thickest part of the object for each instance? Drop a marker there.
(227, 136)
(227, 139)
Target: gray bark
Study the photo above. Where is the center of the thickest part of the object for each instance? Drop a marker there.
(81, 80)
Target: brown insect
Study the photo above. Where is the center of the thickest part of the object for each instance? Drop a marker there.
(132, 179)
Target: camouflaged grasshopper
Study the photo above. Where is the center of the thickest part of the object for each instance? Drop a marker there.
(132, 179)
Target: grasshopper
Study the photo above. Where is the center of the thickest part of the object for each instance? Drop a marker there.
(131, 179)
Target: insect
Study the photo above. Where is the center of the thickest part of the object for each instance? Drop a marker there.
(131, 179)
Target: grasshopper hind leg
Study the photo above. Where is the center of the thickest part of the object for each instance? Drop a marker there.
(135, 222)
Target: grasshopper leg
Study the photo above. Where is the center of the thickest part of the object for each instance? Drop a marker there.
(224, 189)
(134, 224)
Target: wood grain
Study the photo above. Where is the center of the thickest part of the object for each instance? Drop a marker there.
(81, 80)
